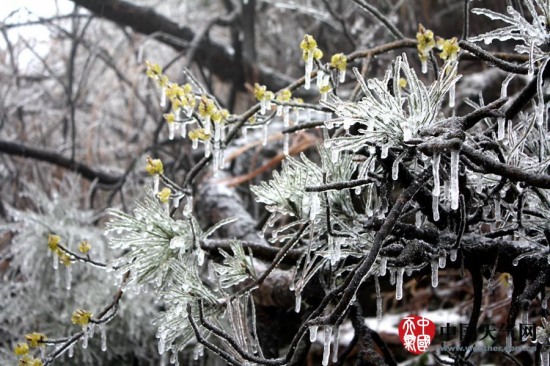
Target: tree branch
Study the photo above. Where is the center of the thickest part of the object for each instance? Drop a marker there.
(15, 149)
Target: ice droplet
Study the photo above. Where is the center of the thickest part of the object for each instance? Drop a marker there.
(454, 178)
(435, 207)
(442, 258)
(171, 130)
(424, 66)
(418, 218)
(298, 304)
(399, 283)
(435, 273)
(71, 350)
(453, 255)
(326, 345)
(55, 261)
(313, 333)
(384, 152)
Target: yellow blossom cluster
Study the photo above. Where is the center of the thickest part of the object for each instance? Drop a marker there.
(53, 245)
(154, 166)
(81, 317)
(309, 48)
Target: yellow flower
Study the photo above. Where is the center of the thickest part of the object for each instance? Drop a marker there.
(325, 89)
(317, 54)
(284, 96)
(402, 83)
(298, 100)
(164, 195)
(81, 317)
(339, 61)
(220, 115)
(259, 91)
(84, 246)
(170, 117)
(35, 339)
(53, 241)
(426, 42)
(21, 349)
(65, 259)
(154, 166)
(187, 88)
(206, 107)
(449, 48)
(153, 70)
(29, 361)
(308, 43)
(198, 134)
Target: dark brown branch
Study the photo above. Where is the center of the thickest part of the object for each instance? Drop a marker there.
(16, 149)
(214, 56)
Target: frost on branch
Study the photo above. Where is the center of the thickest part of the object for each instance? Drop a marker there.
(389, 115)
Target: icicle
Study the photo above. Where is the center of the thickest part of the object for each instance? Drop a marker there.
(384, 153)
(207, 148)
(418, 219)
(509, 339)
(452, 91)
(334, 155)
(453, 255)
(395, 167)
(279, 112)
(320, 79)
(313, 333)
(378, 298)
(342, 76)
(298, 303)
(442, 258)
(435, 207)
(544, 358)
(195, 144)
(501, 121)
(183, 130)
(424, 66)
(163, 97)
(103, 332)
(55, 261)
(286, 141)
(156, 182)
(435, 168)
(392, 276)
(435, 274)
(383, 266)
(315, 207)
(264, 143)
(91, 330)
(454, 178)
(336, 343)
(162, 343)
(69, 276)
(399, 283)
(85, 337)
(217, 132)
(309, 69)
(71, 350)
(207, 127)
(326, 345)
(171, 130)
(263, 107)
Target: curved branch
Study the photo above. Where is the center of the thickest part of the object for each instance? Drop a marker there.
(13, 148)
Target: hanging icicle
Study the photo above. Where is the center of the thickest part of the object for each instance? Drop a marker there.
(399, 283)
(379, 300)
(326, 344)
(435, 273)
(313, 333)
(454, 191)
